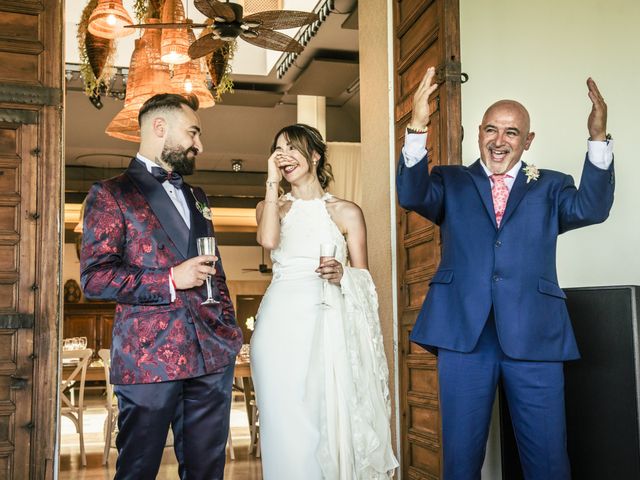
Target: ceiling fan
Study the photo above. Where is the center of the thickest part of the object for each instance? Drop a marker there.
(257, 29)
(226, 23)
(262, 267)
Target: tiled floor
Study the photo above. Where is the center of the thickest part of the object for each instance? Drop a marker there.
(244, 467)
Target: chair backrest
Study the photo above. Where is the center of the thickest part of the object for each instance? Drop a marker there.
(105, 356)
(70, 377)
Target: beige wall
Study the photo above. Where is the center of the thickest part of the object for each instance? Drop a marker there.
(541, 53)
(377, 164)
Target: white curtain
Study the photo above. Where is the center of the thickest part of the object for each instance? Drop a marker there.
(345, 161)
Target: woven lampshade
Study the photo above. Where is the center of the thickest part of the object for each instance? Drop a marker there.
(254, 6)
(193, 73)
(175, 41)
(148, 76)
(109, 19)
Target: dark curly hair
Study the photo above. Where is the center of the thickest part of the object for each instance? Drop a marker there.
(307, 140)
(167, 101)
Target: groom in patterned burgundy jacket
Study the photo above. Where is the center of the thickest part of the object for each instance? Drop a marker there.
(172, 358)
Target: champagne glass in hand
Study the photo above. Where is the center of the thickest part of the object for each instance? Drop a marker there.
(207, 246)
(327, 252)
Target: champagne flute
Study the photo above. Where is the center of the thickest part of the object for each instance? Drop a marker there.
(327, 252)
(207, 246)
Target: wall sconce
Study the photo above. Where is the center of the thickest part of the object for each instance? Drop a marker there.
(236, 165)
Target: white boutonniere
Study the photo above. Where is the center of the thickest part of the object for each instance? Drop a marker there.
(204, 210)
(532, 172)
(202, 207)
(250, 323)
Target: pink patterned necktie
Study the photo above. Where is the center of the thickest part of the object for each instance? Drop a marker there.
(500, 195)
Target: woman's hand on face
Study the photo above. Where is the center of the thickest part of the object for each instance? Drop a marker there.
(274, 174)
(331, 270)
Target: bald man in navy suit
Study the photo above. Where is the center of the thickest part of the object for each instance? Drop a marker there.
(494, 311)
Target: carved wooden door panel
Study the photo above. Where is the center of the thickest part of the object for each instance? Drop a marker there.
(31, 73)
(426, 33)
(17, 270)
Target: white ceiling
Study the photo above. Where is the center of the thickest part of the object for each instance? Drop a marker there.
(235, 131)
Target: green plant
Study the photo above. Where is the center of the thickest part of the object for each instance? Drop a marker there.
(92, 84)
(226, 83)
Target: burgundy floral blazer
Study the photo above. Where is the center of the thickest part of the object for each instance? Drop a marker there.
(132, 236)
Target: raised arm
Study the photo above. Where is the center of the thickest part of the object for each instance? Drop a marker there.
(268, 211)
(420, 112)
(597, 121)
(417, 189)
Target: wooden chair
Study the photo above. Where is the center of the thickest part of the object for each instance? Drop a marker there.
(79, 359)
(254, 428)
(110, 404)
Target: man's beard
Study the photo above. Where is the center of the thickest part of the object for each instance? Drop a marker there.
(178, 159)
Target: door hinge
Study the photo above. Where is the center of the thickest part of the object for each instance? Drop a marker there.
(35, 151)
(35, 215)
(18, 383)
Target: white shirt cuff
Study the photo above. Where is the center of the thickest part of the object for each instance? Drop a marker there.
(600, 153)
(414, 148)
(172, 291)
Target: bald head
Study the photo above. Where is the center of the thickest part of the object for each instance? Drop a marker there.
(504, 135)
(512, 107)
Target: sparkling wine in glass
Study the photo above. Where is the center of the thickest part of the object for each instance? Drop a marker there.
(207, 246)
(327, 252)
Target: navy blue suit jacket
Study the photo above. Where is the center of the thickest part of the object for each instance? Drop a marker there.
(511, 268)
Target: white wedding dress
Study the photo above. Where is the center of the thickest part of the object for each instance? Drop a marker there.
(320, 374)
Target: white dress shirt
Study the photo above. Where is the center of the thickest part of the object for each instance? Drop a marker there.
(175, 194)
(414, 150)
(177, 197)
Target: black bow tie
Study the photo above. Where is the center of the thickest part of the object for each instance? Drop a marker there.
(162, 176)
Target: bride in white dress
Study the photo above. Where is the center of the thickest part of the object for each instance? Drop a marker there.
(317, 359)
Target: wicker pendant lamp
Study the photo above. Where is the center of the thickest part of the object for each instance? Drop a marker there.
(147, 77)
(190, 79)
(175, 41)
(109, 19)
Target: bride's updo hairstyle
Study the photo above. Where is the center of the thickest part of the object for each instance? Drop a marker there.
(307, 140)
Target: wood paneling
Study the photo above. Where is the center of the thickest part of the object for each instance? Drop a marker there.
(31, 78)
(426, 34)
(18, 68)
(92, 320)
(16, 26)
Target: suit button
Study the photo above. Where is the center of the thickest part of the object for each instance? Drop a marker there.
(498, 243)
(496, 278)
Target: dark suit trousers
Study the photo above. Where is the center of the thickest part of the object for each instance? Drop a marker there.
(535, 395)
(199, 409)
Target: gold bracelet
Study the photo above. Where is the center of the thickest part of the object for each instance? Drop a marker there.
(411, 130)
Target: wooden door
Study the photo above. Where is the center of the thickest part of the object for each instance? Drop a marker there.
(426, 33)
(30, 233)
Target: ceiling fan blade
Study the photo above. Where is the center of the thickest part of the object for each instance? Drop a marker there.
(271, 40)
(167, 25)
(213, 9)
(204, 45)
(280, 19)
